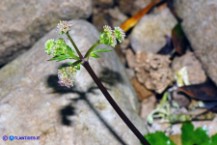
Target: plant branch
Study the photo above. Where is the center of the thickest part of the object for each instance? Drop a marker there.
(114, 104)
(106, 93)
(91, 49)
(74, 45)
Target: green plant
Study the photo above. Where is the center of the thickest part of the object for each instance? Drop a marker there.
(59, 51)
(189, 136)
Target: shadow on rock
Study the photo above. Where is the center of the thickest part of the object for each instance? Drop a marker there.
(65, 113)
(107, 76)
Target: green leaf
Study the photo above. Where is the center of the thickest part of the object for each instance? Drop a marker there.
(213, 140)
(187, 133)
(91, 49)
(60, 50)
(78, 67)
(49, 44)
(158, 138)
(101, 50)
(59, 58)
(202, 136)
(94, 55)
(71, 53)
(76, 64)
(191, 136)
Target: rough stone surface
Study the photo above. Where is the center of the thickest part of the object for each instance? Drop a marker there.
(194, 68)
(103, 3)
(196, 74)
(117, 16)
(141, 90)
(132, 6)
(181, 99)
(32, 103)
(147, 106)
(149, 34)
(23, 22)
(199, 23)
(152, 70)
(110, 16)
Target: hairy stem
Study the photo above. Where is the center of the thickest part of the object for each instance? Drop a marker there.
(114, 104)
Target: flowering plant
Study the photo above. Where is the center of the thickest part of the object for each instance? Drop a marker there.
(59, 51)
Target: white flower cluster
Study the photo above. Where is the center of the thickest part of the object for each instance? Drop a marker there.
(110, 37)
(66, 76)
(63, 27)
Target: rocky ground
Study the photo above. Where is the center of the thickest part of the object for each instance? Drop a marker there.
(32, 102)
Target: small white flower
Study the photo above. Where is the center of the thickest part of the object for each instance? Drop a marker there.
(107, 29)
(119, 34)
(110, 37)
(63, 27)
(66, 76)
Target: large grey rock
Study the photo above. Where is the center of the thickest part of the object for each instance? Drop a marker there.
(30, 106)
(199, 23)
(23, 21)
(149, 33)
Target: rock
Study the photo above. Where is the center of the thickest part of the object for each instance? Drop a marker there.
(32, 103)
(152, 70)
(147, 106)
(130, 7)
(23, 22)
(140, 4)
(141, 90)
(110, 16)
(100, 18)
(199, 23)
(130, 58)
(130, 73)
(149, 34)
(181, 99)
(196, 74)
(117, 16)
(103, 3)
(126, 6)
(125, 45)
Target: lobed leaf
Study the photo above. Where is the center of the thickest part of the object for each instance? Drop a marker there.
(191, 136)
(158, 138)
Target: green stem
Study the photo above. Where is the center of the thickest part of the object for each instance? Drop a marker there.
(75, 46)
(91, 49)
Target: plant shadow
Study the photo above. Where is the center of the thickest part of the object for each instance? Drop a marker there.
(107, 76)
